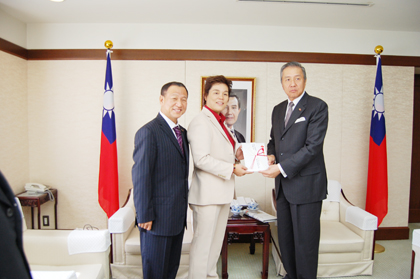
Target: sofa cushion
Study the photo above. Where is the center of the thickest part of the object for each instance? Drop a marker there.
(86, 271)
(132, 244)
(330, 211)
(337, 238)
(53, 274)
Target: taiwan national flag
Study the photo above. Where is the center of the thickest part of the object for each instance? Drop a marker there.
(108, 168)
(377, 184)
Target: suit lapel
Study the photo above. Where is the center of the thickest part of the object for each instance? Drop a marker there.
(281, 115)
(299, 109)
(215, 123)
(167, 130)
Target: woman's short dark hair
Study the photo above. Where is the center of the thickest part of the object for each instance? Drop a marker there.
(210, 81)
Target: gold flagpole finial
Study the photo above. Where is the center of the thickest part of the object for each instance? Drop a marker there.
(379, 49)
(109, 44)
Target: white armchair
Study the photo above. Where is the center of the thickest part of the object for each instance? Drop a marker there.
(48, 250)
(415, 268)
(347, 237)
(126, 253)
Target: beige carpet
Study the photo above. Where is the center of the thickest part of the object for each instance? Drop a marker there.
(394, 263)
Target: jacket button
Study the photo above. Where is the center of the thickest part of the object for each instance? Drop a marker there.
(9, 212)
(281, 154)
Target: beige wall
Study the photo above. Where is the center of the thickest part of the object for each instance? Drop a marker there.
(14, 152)
(65, 104)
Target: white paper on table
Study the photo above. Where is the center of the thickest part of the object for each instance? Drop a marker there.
(255, 156)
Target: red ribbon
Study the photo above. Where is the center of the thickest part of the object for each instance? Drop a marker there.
(260, 152)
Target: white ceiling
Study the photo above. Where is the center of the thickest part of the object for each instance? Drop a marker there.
(392, 15)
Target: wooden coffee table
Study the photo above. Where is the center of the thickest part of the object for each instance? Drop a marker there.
(247, 226)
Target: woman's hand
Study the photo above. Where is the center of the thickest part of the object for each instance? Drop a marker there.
(239, 153)
(240, 170)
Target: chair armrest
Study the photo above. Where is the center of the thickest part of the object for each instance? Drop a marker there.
(416, 238)
(121, 220)
(120, 225)
(415, 264)
(50, 247)
(361, 218)
(356, 216)
(364, 222)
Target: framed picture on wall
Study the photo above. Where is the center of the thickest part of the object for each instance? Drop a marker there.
(240, 112)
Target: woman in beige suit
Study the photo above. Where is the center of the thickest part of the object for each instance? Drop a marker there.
(214, 151)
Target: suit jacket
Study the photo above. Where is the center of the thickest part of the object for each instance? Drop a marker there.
(213, 181)
(13, 263)
(239, 136)
(298, 148)
(160, 177)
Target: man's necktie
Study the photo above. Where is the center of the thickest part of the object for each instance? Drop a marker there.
(179, 137)
(289, 112)
(233, 133)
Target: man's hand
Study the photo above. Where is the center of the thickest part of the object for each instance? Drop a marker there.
(239, 153)
(271, 172)
(271, 159)
(241, 170)
(147, 226)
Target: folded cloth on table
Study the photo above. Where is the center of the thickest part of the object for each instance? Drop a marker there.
(88, 241)
(53, 274)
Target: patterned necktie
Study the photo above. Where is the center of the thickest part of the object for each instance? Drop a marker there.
(179, 137)
(233, 133)
(289, 112)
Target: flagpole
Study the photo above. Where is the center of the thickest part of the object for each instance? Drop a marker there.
(109, 44)
(108, 192)
(378, 247)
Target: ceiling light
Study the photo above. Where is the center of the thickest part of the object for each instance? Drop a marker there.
(57, 0)
(364, 4)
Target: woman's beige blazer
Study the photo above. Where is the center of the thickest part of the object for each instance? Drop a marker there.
(213, 181)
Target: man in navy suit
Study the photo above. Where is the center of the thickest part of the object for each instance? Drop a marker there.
(13, 263)
(299, 126)
(160, 179)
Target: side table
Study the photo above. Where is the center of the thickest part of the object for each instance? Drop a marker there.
(35, 200)
(246, 225)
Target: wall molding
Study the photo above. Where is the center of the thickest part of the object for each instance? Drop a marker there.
(205, 55)
(414, 214)
(13, 49)
(220, 55)
(392, 233)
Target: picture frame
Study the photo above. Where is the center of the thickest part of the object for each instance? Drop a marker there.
(244, 89)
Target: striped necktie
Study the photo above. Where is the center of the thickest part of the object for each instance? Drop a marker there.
(289, 112)
(179, 137)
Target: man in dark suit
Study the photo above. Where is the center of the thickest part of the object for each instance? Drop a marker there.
(231, 112)
(13, 263)
(299, 125)
(160, 179)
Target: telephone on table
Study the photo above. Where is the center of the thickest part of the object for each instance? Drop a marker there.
(36, 187)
